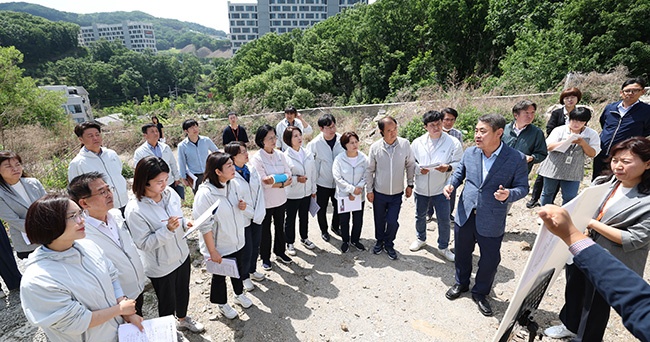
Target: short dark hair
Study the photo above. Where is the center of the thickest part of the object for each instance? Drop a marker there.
(570, 92)
(82, 127)
(383, 121)
(8, 155)
(147, 169)
(79, 186)
(46, 218)
(582, 114)
(522, 105)
(495, 121)
(449, 110)
(638, 80)
(145, 127)
(155, 117)
(288, 134)
(189, 123)
(432, 116)
(216, 160)
(232, 113)
(345, 139)
(290, 110)
(261, 133)
(639, 146)
(326, 120)
(233, 147)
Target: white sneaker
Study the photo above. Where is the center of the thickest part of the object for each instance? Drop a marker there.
(228, 311)
(244, 301)
(308, 244)
(189, 324)
(558, 331)
(417, 244)
(248, 285)
(290, 249)
(448, 254)
(257, 276)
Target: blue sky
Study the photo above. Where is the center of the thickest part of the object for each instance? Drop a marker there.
(210, 13)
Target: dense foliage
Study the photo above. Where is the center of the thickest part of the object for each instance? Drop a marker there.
(37, 38)
(375, 52)
(21, 102)
(170, 33)
(112, 74)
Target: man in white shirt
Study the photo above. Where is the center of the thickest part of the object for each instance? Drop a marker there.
(325, 147)
(107, 229)
(291, 118)
(436, 154)
(93, 157)
(153, 147)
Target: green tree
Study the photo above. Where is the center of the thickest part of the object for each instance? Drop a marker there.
(21, 102)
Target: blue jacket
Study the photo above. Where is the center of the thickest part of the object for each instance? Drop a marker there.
(616, 128)
(630, 298)
(509, 170)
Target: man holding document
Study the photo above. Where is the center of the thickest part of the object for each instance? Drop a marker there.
(436, 155)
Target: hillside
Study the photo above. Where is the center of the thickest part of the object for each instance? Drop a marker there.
(170, 33)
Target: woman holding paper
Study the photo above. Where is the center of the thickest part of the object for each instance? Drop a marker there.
(622, 226)
(17, 193)
(564, 166)
(156, 222)
(250, 184)
(223, 236)
(301, 190)
(275, 173)
(349, 171)
(70, 289)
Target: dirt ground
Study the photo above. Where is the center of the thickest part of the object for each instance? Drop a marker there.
(358, 296)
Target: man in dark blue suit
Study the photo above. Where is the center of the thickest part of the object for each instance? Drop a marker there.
(621, 120)
(495, 175)
(630, 298)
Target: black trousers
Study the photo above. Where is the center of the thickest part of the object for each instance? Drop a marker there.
(255, 231)
(357, 224)
(244, 259)
(599, 164)
(197, 182)
(323, 195)
(277, 215)
(139, 302)
(301, 208)
(8, 267)
(173, 291)
(585, 311)
(218, 289)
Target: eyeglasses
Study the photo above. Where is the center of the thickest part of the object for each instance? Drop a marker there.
(78, 216)
(330, 127)
(104, 192)
(631, 91)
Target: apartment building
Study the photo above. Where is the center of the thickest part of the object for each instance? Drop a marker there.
(134, 36)
(249, 21)
(77, 104)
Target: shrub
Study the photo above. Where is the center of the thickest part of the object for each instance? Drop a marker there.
(412, 129)
(56, 176)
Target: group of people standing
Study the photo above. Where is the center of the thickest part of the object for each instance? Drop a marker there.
(91, 250)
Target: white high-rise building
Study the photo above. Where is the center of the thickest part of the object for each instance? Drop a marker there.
(134, 36)
(249, 21)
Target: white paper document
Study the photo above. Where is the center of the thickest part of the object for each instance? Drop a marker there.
(313, 207)
(431, 166)
(346, 205)
(227, 267)
(567, 143)
(203, 219)
(161, 329)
